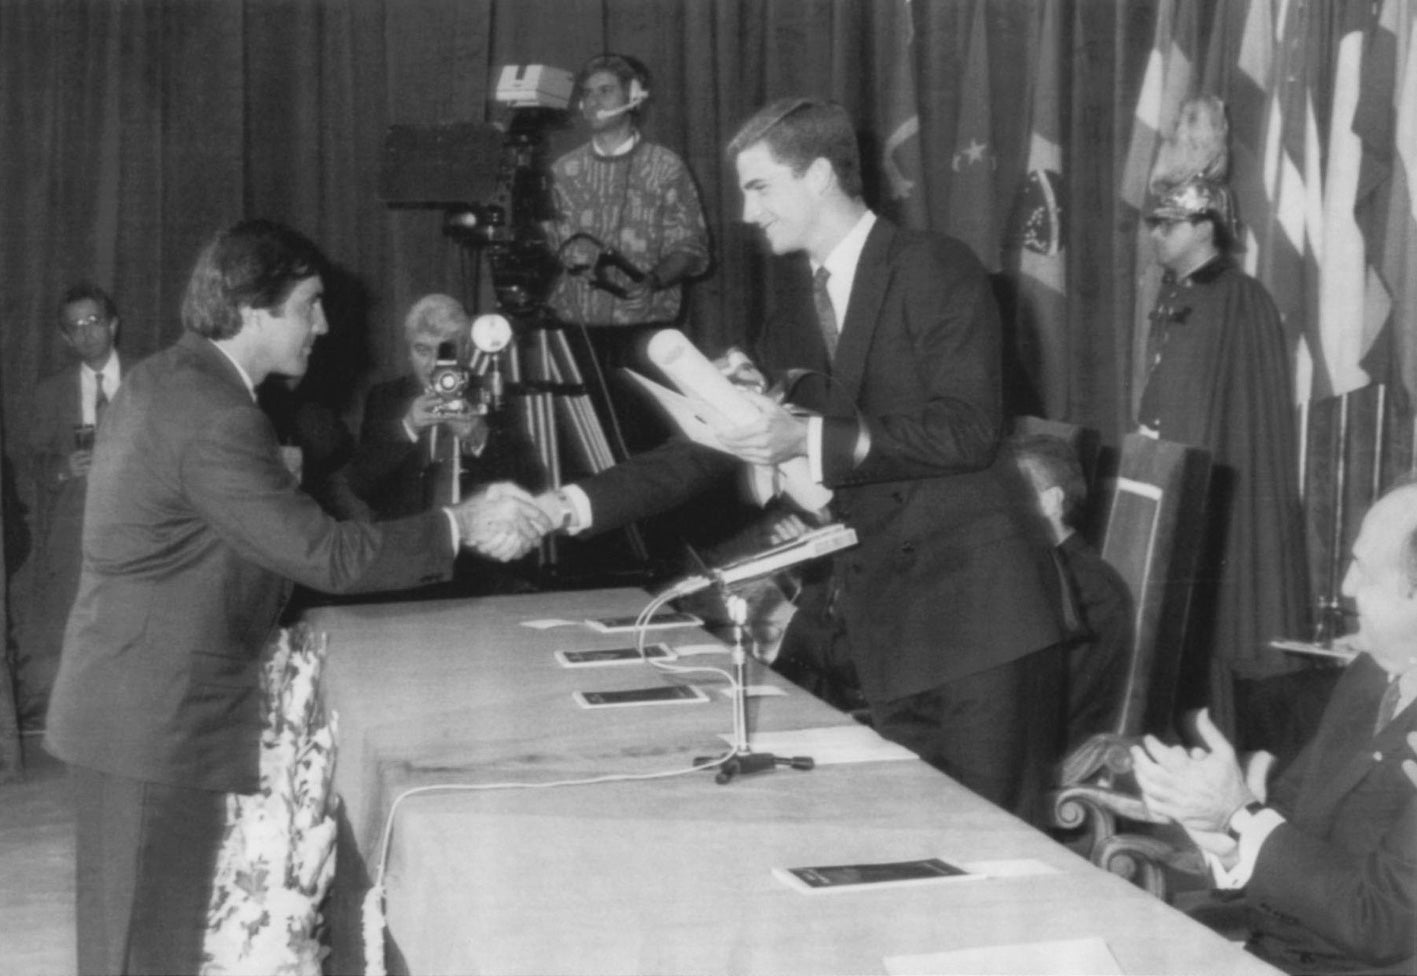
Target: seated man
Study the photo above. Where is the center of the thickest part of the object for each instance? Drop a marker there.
(1100, 611)
(1327, 857)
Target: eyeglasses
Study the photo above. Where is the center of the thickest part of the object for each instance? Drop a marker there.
(87, 322)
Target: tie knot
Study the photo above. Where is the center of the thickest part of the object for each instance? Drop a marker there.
(820, 278)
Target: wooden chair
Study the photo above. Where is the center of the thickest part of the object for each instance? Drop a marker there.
(1151, 536)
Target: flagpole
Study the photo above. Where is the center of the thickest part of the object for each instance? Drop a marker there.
(1379, 432)
(1303, 448)
(1330, 624)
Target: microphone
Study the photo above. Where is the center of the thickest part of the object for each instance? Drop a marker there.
(630, 106)
(811, 545)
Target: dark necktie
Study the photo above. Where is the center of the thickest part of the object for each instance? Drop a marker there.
(100, 399)
(826, 315)
(1387, 707)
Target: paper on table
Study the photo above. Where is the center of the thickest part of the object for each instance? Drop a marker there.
(754, 691)
(1061, 957)
(829, 745)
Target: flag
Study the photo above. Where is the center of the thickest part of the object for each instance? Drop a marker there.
(1288, 254)
(902, 162)
(972, 212)
(1043, 307)
(1343, 264)
(1168, 82)
(1385, 203)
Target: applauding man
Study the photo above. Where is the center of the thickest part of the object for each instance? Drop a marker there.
(1328, 855)
(193, 537)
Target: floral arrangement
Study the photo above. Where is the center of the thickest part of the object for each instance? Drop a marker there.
(277, 855)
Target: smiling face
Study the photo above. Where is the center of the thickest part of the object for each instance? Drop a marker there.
(289, 332)
(782, 204)
(604, 92)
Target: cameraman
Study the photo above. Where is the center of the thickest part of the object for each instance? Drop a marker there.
(629, 227)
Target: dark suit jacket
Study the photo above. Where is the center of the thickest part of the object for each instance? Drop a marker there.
(1097, 655)
(952, 574)
(193, 535)
(1335, 888)
(58, 527)
(388, 471)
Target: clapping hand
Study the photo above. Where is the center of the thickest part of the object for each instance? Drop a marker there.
(1201, 787)
(502, 522)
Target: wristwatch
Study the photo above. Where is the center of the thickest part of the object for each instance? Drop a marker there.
(1241, 818)
(568, 513)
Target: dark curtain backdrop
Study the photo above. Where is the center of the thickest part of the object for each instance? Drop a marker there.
(132, 130)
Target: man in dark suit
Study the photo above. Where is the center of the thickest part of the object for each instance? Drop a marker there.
(947, 604)
(67, 408)
(194, 533)
(1099, 605)
(1327, 856)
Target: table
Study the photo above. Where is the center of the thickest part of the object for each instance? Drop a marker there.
(669, 875)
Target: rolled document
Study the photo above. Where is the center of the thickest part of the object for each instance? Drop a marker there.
(699, 379)
(696, 376)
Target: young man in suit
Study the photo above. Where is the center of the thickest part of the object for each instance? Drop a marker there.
(1327, 856)
(67, 409)
(194, 534)
(947, 604)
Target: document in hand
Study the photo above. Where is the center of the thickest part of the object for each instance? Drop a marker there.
(708, 403)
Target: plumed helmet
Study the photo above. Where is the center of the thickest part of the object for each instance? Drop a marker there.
(1199, 197)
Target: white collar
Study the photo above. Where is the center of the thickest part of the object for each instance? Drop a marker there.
(841, 262)
(245, 377)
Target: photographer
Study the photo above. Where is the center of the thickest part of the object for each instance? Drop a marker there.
(410, 432)
(629, 228)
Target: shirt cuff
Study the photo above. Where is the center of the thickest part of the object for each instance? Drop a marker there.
(453, 526)
(579, 502)
(814, 448)
(1253, 834)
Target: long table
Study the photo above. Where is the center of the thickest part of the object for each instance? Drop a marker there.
(672, 874)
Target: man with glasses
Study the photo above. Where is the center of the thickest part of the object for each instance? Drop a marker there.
(68, 409)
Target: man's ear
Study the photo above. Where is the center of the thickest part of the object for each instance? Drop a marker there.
(1051, 501)
(820, 174)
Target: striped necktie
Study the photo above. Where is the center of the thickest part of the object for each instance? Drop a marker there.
(1387, 706)
(826, 315)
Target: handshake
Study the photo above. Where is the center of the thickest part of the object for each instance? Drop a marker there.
(504, 522)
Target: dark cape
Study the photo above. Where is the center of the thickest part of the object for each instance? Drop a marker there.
(1222, 381)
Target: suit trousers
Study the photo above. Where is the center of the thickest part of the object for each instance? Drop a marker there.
(146, 859)
(997, 731)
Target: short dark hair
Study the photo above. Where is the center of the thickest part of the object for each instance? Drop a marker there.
(1051, 462)
(88, 291)
(622, 66)
(798, 131)
(253, 264)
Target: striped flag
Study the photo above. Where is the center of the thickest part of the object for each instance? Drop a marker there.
(972, 208)
(1342, 261)
(1043, 306)
(1385, 120)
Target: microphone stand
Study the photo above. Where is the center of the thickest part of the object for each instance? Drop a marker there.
(744, 760)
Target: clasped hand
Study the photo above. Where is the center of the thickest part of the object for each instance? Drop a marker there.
(502, 521)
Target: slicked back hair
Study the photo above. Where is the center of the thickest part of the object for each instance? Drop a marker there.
(798, 131)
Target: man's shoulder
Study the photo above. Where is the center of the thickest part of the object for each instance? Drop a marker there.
(57, 381)
(924, 250)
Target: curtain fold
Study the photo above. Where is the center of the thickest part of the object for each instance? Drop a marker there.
(133, 130)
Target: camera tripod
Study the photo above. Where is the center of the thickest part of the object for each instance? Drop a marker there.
(548, 386)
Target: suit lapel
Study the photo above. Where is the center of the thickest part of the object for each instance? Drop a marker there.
(1345, 746)
(868, 293)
